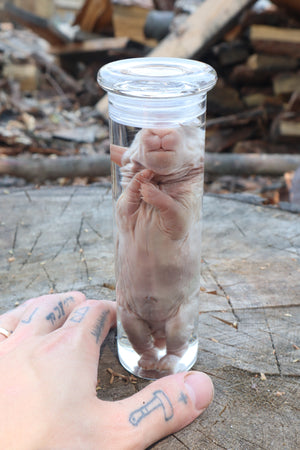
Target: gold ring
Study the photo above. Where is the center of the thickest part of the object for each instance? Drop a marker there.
(5, 332)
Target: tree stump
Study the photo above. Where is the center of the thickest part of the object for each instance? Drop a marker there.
(60, 239)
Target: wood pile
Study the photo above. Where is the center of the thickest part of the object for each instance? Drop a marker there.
(45, 113)
(257, 97)
(49, 106)
(262, 84)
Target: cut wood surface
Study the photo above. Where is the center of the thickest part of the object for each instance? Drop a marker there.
(286, 127)
(25, 74)
(271, 62)
(286, 83)
(58, 239)
(94, 15)
(284, 41)
(129, 21)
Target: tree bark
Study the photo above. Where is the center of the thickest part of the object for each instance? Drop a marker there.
(258, 164)
(42, 169)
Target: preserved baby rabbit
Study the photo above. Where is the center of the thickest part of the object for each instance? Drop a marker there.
(158, 217)
(157, 110)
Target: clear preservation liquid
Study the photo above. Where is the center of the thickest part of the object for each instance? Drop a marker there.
(157, 110)
(157, 253)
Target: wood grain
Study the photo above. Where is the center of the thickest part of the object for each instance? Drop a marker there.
(58, 239)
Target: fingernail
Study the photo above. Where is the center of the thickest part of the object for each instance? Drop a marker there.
(200, 389)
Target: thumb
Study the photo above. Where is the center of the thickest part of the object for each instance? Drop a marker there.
(165, 406)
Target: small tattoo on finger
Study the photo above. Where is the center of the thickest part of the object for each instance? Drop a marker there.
(59, 310)
(159, 400)
(98, 328)
(183, 398)
(57, 313)
(79, 314)
(29, 319)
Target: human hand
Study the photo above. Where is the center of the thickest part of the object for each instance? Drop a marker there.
(48, 377)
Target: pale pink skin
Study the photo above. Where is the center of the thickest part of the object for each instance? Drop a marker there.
(158, 244)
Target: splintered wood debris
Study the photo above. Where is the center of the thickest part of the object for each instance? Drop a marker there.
(126, 378)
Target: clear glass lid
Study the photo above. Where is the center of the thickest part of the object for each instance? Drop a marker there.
(157, 77)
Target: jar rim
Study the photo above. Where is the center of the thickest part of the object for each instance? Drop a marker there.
(158, 77)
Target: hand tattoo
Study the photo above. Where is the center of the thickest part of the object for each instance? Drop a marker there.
(29, 319)
(97, 331)
(79, 314)
(159, 400)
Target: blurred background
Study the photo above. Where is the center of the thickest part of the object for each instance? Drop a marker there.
(53, 115)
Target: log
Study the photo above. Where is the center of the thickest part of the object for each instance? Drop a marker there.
(95, 16)
(27, 75)
(271, 63)
(286, 128)
(198, 32)
(290, 128)
(42, 169)
(286, 83)
(39, 170)
(292, 6)
(224, 138)
(242, 75)
(129, 21)
(259, 99)
(204, 26)
(241, 118)
(260, 146)
(224, 100)
(275, 40)
(258, 164)
(229, 53)
(260, 68)
(164, 5)
(294, 102)
(271, 16)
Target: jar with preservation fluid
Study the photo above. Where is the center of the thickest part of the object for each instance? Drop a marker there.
(157, 109)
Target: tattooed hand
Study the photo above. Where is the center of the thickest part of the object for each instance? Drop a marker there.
(48, 377)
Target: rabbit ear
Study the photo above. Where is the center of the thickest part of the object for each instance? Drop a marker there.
(116, 154)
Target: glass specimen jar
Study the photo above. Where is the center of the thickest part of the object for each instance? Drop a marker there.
(157, 110)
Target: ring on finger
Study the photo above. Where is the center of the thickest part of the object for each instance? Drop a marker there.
(5, 332)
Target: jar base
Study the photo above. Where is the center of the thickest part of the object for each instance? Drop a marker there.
(129, 359)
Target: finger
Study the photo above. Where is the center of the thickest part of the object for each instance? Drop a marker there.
(145, 175)
(173, 216)
(46, 313)
(162, 408)
(10, 319)
(89, 324)
(131, 197)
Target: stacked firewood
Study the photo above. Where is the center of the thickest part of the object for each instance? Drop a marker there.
(258, 63)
